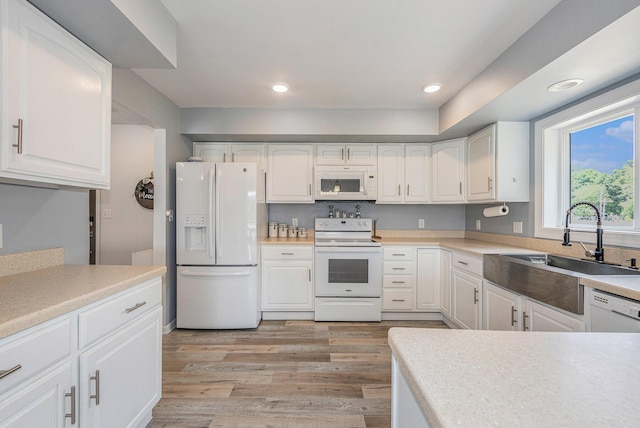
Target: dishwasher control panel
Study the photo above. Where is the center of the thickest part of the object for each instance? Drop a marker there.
(617, 304)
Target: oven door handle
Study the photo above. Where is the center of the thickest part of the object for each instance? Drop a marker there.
(357, 250)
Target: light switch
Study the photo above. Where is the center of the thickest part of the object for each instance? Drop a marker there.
(478, 225)
(420, 223)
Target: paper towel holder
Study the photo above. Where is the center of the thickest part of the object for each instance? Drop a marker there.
(500, 210)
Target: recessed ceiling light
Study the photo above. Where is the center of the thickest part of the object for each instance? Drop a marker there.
(563, 85)
(430, 88)
(280, 87)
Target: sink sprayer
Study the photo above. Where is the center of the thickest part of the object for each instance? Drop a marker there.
(598, 252)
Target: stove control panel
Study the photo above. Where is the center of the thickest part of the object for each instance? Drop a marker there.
(344, 224)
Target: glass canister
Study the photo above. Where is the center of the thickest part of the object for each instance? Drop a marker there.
(293, 232)
(273, 229)
(282, 231)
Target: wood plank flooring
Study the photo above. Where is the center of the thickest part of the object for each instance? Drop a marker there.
(282, 374)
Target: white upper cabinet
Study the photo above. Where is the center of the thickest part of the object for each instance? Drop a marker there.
(404, 173)
(350, 154)
(56, 103)
(290, 173)
(236, 152)
(417, 173)
(390, 173)
(498, 163)
(448, 165)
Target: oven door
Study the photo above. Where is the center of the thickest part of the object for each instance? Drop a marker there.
(348, 271)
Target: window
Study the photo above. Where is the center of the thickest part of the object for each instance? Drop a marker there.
(588, 153)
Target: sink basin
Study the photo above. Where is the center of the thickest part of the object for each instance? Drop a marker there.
(548, 278)
(586, 267)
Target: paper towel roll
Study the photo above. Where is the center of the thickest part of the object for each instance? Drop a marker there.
(498, 211)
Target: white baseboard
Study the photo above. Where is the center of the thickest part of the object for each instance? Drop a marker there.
(287, 316)
(169, 327)
(411, 316)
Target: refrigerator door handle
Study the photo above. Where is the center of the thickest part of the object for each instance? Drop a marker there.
(217, 207)
(208, 274)
(210, 233)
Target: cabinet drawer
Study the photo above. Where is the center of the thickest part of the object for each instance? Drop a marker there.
(34, 350)
(467, 263)
(273, 252)
(400, 299)
(398, 268)
(392, 281)
(109, 316)
(399, 253)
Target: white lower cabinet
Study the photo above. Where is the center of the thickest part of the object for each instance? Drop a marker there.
(47, 379)
(411, 279)
(466, 290)
(538, 317)
(501, 309)
(120, 377)
(445, 283)
(428, 279)
(287, 278)
(505, 310)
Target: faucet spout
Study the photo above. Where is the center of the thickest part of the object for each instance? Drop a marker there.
(598, 252)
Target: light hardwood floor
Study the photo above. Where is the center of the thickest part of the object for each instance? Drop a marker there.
(282, 374)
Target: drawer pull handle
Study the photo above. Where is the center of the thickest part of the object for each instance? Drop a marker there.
(72, 413)
(397, 282)
(5, 373)
(134, 307)
(398, 268)
(399, 255)
(97, 394)
(397, 300)
(287, 254)
(463, 263)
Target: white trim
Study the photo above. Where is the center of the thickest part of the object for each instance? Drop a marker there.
(548, 146)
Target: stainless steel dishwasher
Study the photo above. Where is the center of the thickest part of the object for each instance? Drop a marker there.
(613, 313)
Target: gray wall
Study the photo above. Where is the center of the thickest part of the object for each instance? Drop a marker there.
(36, 219)
(525, 212)
(157, 111)
(436, 217)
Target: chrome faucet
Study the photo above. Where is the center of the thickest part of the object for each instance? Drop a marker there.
(598, 252)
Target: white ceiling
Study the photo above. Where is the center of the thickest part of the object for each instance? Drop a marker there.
(335, 53)
(355, 67)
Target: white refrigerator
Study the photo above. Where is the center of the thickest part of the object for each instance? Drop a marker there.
(216, 246)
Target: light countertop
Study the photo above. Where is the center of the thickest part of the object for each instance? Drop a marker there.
(30, 298)
(627, 286)
(521, 379)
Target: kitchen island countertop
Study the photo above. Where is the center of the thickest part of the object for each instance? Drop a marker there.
(521, 379)
(30, 298)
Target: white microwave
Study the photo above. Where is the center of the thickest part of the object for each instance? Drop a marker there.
(346, 183)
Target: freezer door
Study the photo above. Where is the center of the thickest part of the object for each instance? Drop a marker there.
(195, 209)
(217, 297)
(236, 237)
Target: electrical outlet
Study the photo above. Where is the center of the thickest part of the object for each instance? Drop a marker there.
(294, 222)
(478, 226)
(420, 223)
(517, 227)
(0, 236)
(106, 213)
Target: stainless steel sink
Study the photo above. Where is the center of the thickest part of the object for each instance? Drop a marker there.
(587, 267)
(548, 278)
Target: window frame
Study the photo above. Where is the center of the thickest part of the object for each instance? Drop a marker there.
(553, 170)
